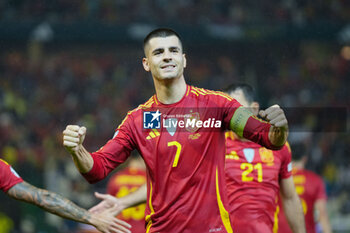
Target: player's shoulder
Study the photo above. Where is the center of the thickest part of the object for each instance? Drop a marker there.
(145, 106)
(136, 113)
(285, 150)
(3, 163)
(206, 93)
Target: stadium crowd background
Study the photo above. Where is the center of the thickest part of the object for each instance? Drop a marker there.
(49, 80)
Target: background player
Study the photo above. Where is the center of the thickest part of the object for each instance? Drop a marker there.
(255, 176)
(120, 185)
(14, 186)
(185, 175)
(311, 191)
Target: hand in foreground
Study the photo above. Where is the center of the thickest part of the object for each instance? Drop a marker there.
(73, 137)
(108, 201)
(279, 131)
(275, 115)
(106, 222)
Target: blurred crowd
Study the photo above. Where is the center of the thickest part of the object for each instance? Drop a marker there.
(45, 87)
(182, 11)
(96, 87)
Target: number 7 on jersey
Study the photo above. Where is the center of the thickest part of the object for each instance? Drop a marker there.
(178, 151)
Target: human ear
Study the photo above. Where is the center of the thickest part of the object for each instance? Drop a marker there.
(145, 64)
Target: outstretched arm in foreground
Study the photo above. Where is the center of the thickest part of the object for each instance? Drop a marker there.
(133, 199)
(56, 204)
(246, 125)
(292, 206)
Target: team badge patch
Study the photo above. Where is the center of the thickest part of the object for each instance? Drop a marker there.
(266, 156)
(193, 116)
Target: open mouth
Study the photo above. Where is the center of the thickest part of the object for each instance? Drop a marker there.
(168, 67)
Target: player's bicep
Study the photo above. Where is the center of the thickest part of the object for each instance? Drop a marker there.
(287, 188)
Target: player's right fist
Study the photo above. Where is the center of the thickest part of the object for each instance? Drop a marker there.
(73, 137)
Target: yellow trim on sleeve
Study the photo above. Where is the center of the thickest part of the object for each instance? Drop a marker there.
(202, 91)
(188, 90)
(155, 99)
(239, 120)
(4, 161)
(223, 212)
(194, 92)
(288, 146)
(148, 217)
(145, 105)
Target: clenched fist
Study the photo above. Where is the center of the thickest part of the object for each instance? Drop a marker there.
(279, 131)
(73, 137)
(275, 115)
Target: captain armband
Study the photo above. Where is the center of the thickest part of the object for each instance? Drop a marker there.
(239, 120)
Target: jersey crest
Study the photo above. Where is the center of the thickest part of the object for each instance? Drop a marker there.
(190, 117)
(249, 154)
(266, 156)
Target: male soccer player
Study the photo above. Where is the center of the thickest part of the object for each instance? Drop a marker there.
(311, 191)
(255, 176)
(14, 186)
(180, 133)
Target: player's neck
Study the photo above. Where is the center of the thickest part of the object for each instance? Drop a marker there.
(170, 91)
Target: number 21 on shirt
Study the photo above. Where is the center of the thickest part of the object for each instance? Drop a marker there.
(249, 168)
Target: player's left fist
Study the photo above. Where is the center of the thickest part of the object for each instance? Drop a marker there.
(275, 115)
(73, 137)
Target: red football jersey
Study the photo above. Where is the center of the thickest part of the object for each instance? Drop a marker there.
(8, 176)
(185, 165)
(253, 174)
(121, 184)
(310, 188)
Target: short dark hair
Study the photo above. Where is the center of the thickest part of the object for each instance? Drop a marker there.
(299, 151)
(160, 32)
(248, 91)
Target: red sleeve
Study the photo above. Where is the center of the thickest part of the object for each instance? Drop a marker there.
(112, 154)
(8, 176)
(286, 162)
(230, 108)
(255, 129)
(320, 191)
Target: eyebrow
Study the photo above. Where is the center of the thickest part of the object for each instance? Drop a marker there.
(157, 50)
(162, 49)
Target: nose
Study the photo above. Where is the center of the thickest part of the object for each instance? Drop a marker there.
(167, 56)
